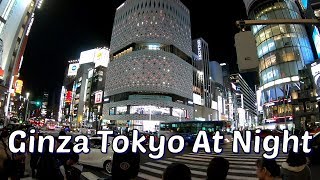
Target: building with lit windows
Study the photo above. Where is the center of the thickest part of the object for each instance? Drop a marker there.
(283, 50)
(245, 102)
(149, 77)
(16, 18)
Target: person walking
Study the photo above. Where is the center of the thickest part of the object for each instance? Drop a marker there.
(295, 167)
(218, 169)
(8, 167)
(267, 169)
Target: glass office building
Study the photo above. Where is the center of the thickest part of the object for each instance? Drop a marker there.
(282, 49)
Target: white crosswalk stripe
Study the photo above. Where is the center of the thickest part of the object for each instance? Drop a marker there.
(242, 166)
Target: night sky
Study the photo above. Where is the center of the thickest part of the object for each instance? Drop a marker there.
(64, 28)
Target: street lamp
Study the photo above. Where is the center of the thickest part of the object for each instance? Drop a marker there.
(26, 113)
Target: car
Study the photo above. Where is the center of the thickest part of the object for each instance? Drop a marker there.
(95, 157)
(314, 155)
(314, 131)
(266, 132)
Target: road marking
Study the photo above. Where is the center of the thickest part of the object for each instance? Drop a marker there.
(233, 161)
(90, 175)
(239, 158)
(241, 171)
(146, 176)
(205, 167)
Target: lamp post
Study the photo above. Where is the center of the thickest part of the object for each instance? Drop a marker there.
(27, 107)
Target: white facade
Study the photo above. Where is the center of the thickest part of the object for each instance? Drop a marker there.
(143, 63)
(13, 12)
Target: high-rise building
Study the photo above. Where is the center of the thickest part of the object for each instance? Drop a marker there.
(201, 49)
(16, 18)
(149, 77)
(283, 49)
(245, 102)
(44, 104)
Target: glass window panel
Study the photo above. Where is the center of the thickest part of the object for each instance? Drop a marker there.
(276, 30)
(278, 42)
(293, 68)
(279, 14)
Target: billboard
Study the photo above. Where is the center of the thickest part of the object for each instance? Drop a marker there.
(99, 56)
(73, 69)
(68, 97)
(18, 86)
(246, 51)
(197, 99)
(98, 97)
(316, 40)
(87, 56)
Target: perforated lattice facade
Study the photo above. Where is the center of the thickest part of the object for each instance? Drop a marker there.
(162, 21)
(149, 71)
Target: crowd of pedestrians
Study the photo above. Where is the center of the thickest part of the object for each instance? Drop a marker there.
(126, 166)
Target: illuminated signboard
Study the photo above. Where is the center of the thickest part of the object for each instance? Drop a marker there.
(101, 57)
(68, 96)
(73, 69)
(316, 40)
(98, 97)
(197, 99)
(199, 49)
(18, 86)
(87, 56)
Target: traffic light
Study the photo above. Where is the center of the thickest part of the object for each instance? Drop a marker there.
(38, 103)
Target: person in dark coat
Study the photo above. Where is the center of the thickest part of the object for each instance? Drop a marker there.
(295, 168)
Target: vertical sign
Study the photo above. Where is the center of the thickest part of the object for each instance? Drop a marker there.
(98, 97)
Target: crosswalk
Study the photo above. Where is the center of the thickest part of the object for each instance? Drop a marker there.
(242, 166)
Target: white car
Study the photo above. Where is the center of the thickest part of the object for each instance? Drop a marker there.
(95, 157)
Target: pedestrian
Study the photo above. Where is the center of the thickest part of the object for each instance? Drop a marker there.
(177, 171)
(48, 165)
(63, 157)
(267, 169)
(218, 169)
(125, 166)
(72, 169)
(295, 168)
(8, 166)
(35, 155)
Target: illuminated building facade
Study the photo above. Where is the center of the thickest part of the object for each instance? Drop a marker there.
(283, 50)
(149, 77)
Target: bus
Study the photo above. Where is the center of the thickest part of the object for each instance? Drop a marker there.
(190, 129)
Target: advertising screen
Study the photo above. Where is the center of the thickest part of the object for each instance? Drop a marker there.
(316, 40)
(98, 97)
(73, 69)
(18, 86)
(149, 109)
